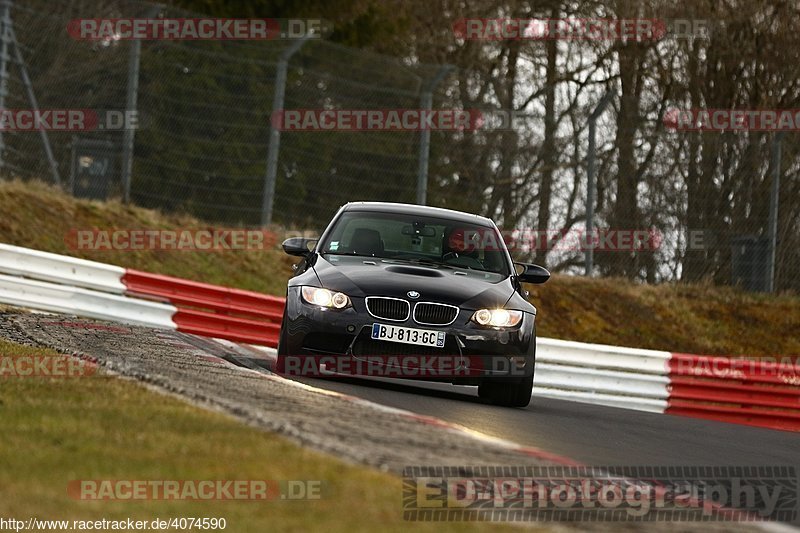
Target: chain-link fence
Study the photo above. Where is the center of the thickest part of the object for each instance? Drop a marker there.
(204, 108)
(713, 201)
(204, 112)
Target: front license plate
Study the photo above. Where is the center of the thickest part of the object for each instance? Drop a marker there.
(421, 337)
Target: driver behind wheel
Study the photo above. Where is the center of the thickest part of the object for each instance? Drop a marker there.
(457, 250)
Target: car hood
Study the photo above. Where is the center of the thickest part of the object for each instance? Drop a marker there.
(359, 277)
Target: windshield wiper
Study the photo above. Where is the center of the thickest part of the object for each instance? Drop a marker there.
(420, 261)
(352, 254)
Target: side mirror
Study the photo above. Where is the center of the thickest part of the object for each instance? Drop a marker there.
(531, 273)
(297, 246)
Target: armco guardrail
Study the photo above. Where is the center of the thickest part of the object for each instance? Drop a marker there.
(83, 302)
(202, 295)
(52, 282)
(733, 390)
(71, 271)
(743, 391)
(606, 375)
(210, 310)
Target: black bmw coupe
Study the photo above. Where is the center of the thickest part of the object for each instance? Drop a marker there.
(413, 292)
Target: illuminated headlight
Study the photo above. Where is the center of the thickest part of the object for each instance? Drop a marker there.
(499, 318)
(324, 298)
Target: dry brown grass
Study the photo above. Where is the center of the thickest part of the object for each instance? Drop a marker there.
(38, 216)
(698, 319)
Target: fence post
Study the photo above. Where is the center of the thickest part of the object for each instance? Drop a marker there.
(131, 106)
(590, 185)
(425, 135)
(774, 200)
(8, 39)
(5, 41)
(26, 81)
(274, 133)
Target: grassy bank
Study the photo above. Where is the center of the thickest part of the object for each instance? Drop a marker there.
(41, 217)
(103, 428)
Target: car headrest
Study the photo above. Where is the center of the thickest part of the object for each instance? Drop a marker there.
(366, 241)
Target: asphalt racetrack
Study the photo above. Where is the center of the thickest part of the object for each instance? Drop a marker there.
(590, 434)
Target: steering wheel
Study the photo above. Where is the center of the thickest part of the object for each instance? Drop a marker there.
(452, 258)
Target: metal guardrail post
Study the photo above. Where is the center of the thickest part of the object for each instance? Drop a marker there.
(274, 133)
(5, 42)
(425, 135)
(774, 200)
(131, 106)
(590, 185)
(8, 39)
(26, 81)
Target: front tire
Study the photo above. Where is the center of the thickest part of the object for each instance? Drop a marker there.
(283, 349)
(507, 392)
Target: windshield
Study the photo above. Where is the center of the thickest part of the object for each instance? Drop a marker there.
(418, 239)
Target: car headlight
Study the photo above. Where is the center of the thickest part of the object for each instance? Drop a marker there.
(499, 318)
(325, 298)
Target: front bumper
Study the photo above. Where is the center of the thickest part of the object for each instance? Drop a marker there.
(479, 353)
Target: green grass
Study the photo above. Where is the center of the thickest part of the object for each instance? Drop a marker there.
(677, 317)
(103, 427)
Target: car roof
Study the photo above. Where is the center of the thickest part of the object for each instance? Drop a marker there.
(414, 209)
